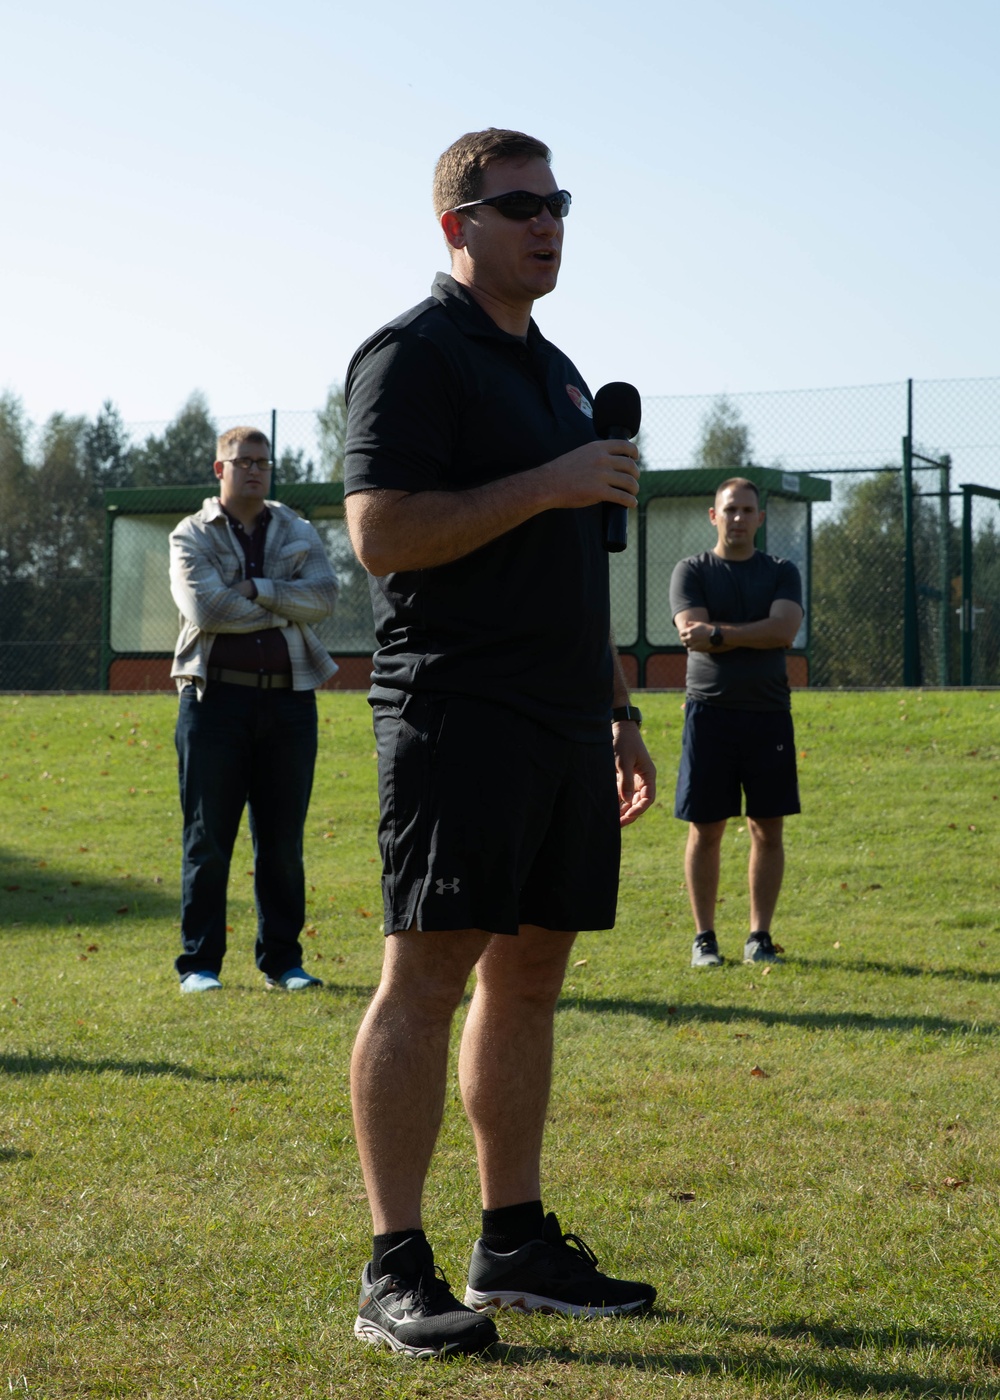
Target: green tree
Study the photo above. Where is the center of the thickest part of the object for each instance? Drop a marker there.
(858, 563)
(725, 439)
(183, 456)
(332, 425)
(107, 454)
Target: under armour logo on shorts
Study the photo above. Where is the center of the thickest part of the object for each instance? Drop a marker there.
(780, 747)
(442, 885)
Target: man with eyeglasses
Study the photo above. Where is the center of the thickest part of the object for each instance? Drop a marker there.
(249, 577)
(509, 756)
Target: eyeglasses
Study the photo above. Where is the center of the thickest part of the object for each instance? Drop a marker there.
(263, 464)
(523, 205)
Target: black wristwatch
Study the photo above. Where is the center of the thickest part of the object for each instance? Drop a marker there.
(715, 637)
(631, 712)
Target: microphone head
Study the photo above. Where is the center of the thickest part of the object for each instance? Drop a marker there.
(617, 406)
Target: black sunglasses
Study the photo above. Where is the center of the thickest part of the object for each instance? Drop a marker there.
(523, 205)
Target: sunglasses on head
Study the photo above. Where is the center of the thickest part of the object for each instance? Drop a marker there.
(523, 205)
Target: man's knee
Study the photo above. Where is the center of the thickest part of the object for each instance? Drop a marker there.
(706, 835)
(767, 833)
(529, 969)
(429, 971)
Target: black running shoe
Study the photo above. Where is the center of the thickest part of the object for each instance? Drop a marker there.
(411, 1308)
(556, 1274)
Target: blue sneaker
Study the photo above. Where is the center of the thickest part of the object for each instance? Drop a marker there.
(200, 982)
(294, 980)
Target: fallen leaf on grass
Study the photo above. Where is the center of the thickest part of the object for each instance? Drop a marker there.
(765, 972)
(837, 943)
(758, 1073)
(953, 1182)
(581, 962)
(93, 948)
(682, 1195)
(122, 909)
(363, 913)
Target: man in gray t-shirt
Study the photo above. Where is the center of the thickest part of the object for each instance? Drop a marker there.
(737, 612)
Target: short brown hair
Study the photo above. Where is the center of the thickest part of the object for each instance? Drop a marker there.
(738, 483)
(232, 437)
(458, 175)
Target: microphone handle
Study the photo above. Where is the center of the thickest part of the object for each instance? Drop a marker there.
(615, 516)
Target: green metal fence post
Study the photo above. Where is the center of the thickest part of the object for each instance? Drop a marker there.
(944, 669)
(966, 615)
(911, 635)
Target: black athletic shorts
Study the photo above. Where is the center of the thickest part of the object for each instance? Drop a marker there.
(489, 821)
(725, 751)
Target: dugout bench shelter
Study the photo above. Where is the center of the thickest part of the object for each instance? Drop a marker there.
(139, 618)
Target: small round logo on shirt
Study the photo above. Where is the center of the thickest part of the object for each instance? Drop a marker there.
(580, 399)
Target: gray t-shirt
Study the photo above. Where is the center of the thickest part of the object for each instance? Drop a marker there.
(746, 678)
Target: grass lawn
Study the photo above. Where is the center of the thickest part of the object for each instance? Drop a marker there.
(805, 1160)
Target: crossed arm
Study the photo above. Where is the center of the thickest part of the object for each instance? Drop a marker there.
(778, 629)
(204, 598)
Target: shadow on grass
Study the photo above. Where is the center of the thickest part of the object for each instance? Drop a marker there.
(32, 893)
(680, 1013)
(843, 1376)
(828, 1333)
(863, 965)
(24, 1065)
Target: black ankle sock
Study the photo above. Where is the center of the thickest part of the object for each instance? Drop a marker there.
(381, 1244)
(506, 1229)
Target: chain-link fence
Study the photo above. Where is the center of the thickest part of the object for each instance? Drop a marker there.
(895, 578)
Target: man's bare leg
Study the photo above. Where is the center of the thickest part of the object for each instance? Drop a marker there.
(767, 868)
(505, 1064)
(400, 1064)
(701, 871)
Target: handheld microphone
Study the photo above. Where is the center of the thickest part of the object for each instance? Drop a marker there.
(617, 414)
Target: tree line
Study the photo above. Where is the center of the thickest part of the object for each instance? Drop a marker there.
(52, 519)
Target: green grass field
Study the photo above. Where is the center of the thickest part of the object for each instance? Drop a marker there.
(806, 1160)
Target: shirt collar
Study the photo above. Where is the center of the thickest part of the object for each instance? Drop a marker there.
(470, 317)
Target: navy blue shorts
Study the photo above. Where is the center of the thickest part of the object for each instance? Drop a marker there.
(725, 753)
(489, 821)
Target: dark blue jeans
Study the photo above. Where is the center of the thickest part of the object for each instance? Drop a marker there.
(239, 747)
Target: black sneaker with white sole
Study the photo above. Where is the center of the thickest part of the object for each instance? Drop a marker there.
(556, 1274)
(411, 1308)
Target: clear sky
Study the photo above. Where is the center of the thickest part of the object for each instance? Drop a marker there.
(228, 195)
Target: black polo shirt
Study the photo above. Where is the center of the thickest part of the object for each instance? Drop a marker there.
(442, 399)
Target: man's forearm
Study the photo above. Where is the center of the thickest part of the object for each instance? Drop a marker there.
(400, 531)
(767, 634)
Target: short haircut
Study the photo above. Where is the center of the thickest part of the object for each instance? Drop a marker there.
(738, 483)
(458, 175)
(232, 437)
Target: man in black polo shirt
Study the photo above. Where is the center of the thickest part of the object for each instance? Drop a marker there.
(737, 611)
(474, 493)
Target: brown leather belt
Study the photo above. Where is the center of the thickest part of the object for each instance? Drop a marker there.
(260, 680)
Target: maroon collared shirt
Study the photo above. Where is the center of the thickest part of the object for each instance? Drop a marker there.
(265, 650)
